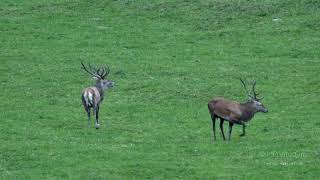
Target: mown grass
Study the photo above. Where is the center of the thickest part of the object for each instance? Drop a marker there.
(168, 59)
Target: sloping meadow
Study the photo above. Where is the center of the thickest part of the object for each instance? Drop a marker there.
(168, 59)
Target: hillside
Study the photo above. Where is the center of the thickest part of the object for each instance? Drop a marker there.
(168, 59)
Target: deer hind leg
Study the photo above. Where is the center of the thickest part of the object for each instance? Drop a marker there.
(87, 109)
(96, 115)
(213, 118)
(230, 130)
(221, 128)
(88, 113)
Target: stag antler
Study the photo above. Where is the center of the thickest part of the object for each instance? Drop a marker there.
(255, 95)
(104, 71)
(245, 87)
(99, 73)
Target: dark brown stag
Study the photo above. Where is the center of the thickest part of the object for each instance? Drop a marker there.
(93, 96)
(235, 112)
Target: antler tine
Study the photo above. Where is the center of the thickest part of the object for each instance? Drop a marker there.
(93, 68)
(245, 87)
(101, 72)
(255, 95)
(253, 88)
(106, 71)
(89, 71)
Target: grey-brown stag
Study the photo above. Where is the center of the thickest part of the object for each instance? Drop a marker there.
(235, 112)
(94, 95)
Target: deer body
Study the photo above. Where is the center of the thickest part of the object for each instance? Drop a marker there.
(94, 95)
(234, 112)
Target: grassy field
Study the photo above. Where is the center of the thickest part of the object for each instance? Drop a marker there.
(168, 59)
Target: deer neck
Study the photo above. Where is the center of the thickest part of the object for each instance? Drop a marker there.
(100, 89)
(248, 111)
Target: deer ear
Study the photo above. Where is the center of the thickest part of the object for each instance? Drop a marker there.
(95, 78)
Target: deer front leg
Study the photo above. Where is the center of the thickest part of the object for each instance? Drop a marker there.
(221, 128)
(214, 127)
(236, 120)
(243, 130)
(230, 130)
(96, 114)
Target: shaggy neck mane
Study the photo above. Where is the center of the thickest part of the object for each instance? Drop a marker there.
(100, 89)
(248, 111)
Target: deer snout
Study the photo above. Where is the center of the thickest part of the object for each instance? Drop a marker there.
(265, 110)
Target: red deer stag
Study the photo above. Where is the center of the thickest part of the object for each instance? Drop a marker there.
(93, 96)
(235, 112)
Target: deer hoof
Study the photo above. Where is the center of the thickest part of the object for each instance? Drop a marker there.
(97, 126)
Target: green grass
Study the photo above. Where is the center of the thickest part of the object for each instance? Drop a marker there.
(168, 59)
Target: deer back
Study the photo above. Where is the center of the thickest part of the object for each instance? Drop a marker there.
(225, 108)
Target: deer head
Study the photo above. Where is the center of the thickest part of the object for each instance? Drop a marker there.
(99, 74)
(253, 97)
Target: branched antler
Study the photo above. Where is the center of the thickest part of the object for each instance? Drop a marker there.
(245, 87)
(255, 94)
(99, 73)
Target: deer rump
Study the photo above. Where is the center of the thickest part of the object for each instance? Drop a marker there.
(91, 96)
(226, 109)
